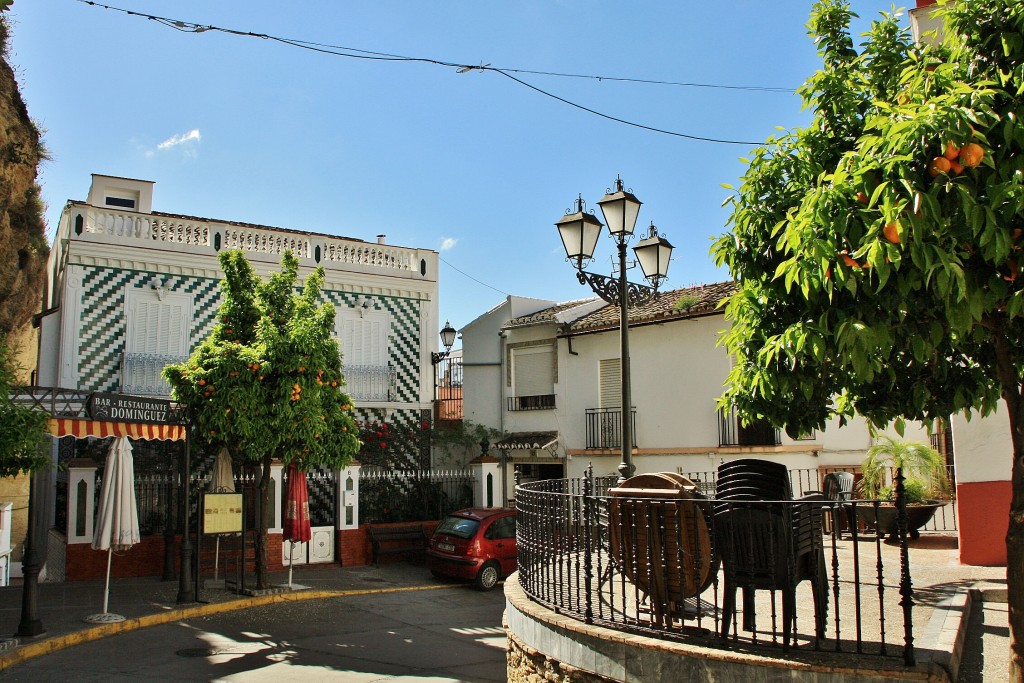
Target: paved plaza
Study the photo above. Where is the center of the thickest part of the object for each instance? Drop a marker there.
(389, 623)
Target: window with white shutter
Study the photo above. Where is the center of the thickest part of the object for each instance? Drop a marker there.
(604, 423)
(363, 340)
(156, 335)
(533, 378)
(610, 378)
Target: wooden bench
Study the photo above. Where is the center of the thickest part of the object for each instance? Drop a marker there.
(407, 538)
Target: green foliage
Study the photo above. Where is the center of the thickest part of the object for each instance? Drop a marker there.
(684, 302)
(395, 446)
(407, 447)
(23, 439)
(460, 441)
(923, 468)
(832, 315)
(267, 381)
(414, 497)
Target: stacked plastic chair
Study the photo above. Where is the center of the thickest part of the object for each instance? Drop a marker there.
(837, 487)
(767, 542)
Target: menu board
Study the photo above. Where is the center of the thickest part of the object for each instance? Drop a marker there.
(222, 513)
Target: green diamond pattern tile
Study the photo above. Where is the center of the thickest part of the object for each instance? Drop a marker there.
(103, 324)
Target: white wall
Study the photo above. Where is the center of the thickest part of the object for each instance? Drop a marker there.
(677, 374)
(483, 370)
(982, 447)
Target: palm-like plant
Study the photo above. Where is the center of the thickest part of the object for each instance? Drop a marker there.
(923, 467)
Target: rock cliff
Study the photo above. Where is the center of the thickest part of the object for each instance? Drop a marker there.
(23, 245)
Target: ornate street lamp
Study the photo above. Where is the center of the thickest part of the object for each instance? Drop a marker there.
(579, 231)
(447, 339)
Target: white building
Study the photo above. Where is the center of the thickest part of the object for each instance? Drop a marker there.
(132, 289)
(548, 376)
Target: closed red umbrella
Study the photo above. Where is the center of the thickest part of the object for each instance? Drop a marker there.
(296, 509)
(296, 513)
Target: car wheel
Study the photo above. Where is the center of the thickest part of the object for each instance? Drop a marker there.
(488, 577)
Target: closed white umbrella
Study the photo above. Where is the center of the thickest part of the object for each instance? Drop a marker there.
(117, 521)
(222, 481)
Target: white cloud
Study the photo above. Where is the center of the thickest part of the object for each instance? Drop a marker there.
(183, 138)
(187, 143)
(448, 243)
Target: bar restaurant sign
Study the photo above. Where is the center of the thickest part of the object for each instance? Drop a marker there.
(126, 408)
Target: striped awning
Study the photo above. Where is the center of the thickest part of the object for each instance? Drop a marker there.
(100, 429)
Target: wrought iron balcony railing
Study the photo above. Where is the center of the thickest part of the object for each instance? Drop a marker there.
(540, 402)
(371, 382)
(141, 373)
(732, 432)
(604, 427)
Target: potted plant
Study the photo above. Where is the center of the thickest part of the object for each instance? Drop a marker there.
(925, 486)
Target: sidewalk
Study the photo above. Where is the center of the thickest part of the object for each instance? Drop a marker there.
(948, 596)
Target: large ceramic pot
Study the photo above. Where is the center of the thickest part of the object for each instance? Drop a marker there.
(918, 514)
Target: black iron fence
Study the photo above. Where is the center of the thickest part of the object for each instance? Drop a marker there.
(158, 498)
(448, 389)
(385, 496)
(670, 566)
(391, 496)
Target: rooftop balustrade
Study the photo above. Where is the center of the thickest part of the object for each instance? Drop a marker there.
(199, 235)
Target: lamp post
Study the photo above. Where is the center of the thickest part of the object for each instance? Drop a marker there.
(579, 231)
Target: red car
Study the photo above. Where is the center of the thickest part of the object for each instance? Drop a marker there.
(477, 544)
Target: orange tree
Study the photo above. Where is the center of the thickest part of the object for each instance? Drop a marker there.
(267, 381)
(876, 251)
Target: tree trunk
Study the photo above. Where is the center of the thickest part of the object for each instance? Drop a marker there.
(1015, 545)
(1006, 370)
(262, 518)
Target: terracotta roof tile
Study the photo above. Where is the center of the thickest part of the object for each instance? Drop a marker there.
(548, 315)
(700, 300)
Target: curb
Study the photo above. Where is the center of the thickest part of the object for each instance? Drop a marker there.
(946, 634)
(942, 640)
(49, 645)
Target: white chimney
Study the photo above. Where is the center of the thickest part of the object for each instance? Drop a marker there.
(382, 239)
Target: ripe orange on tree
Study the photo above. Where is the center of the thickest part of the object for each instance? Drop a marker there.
(971, 154)
(939, 165)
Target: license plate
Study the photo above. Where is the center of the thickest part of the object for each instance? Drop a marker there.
(446, 547)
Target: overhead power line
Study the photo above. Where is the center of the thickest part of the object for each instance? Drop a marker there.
(480, 282)
(355, 53)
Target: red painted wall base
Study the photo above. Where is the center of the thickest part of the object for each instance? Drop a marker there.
(983, 515)
(147, 558)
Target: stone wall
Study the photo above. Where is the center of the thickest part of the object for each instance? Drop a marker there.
(526, 665)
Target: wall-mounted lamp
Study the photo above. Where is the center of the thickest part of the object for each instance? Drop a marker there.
(447, 339)
(158, 285)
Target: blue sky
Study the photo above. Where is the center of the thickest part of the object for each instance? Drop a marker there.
(473, 165)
